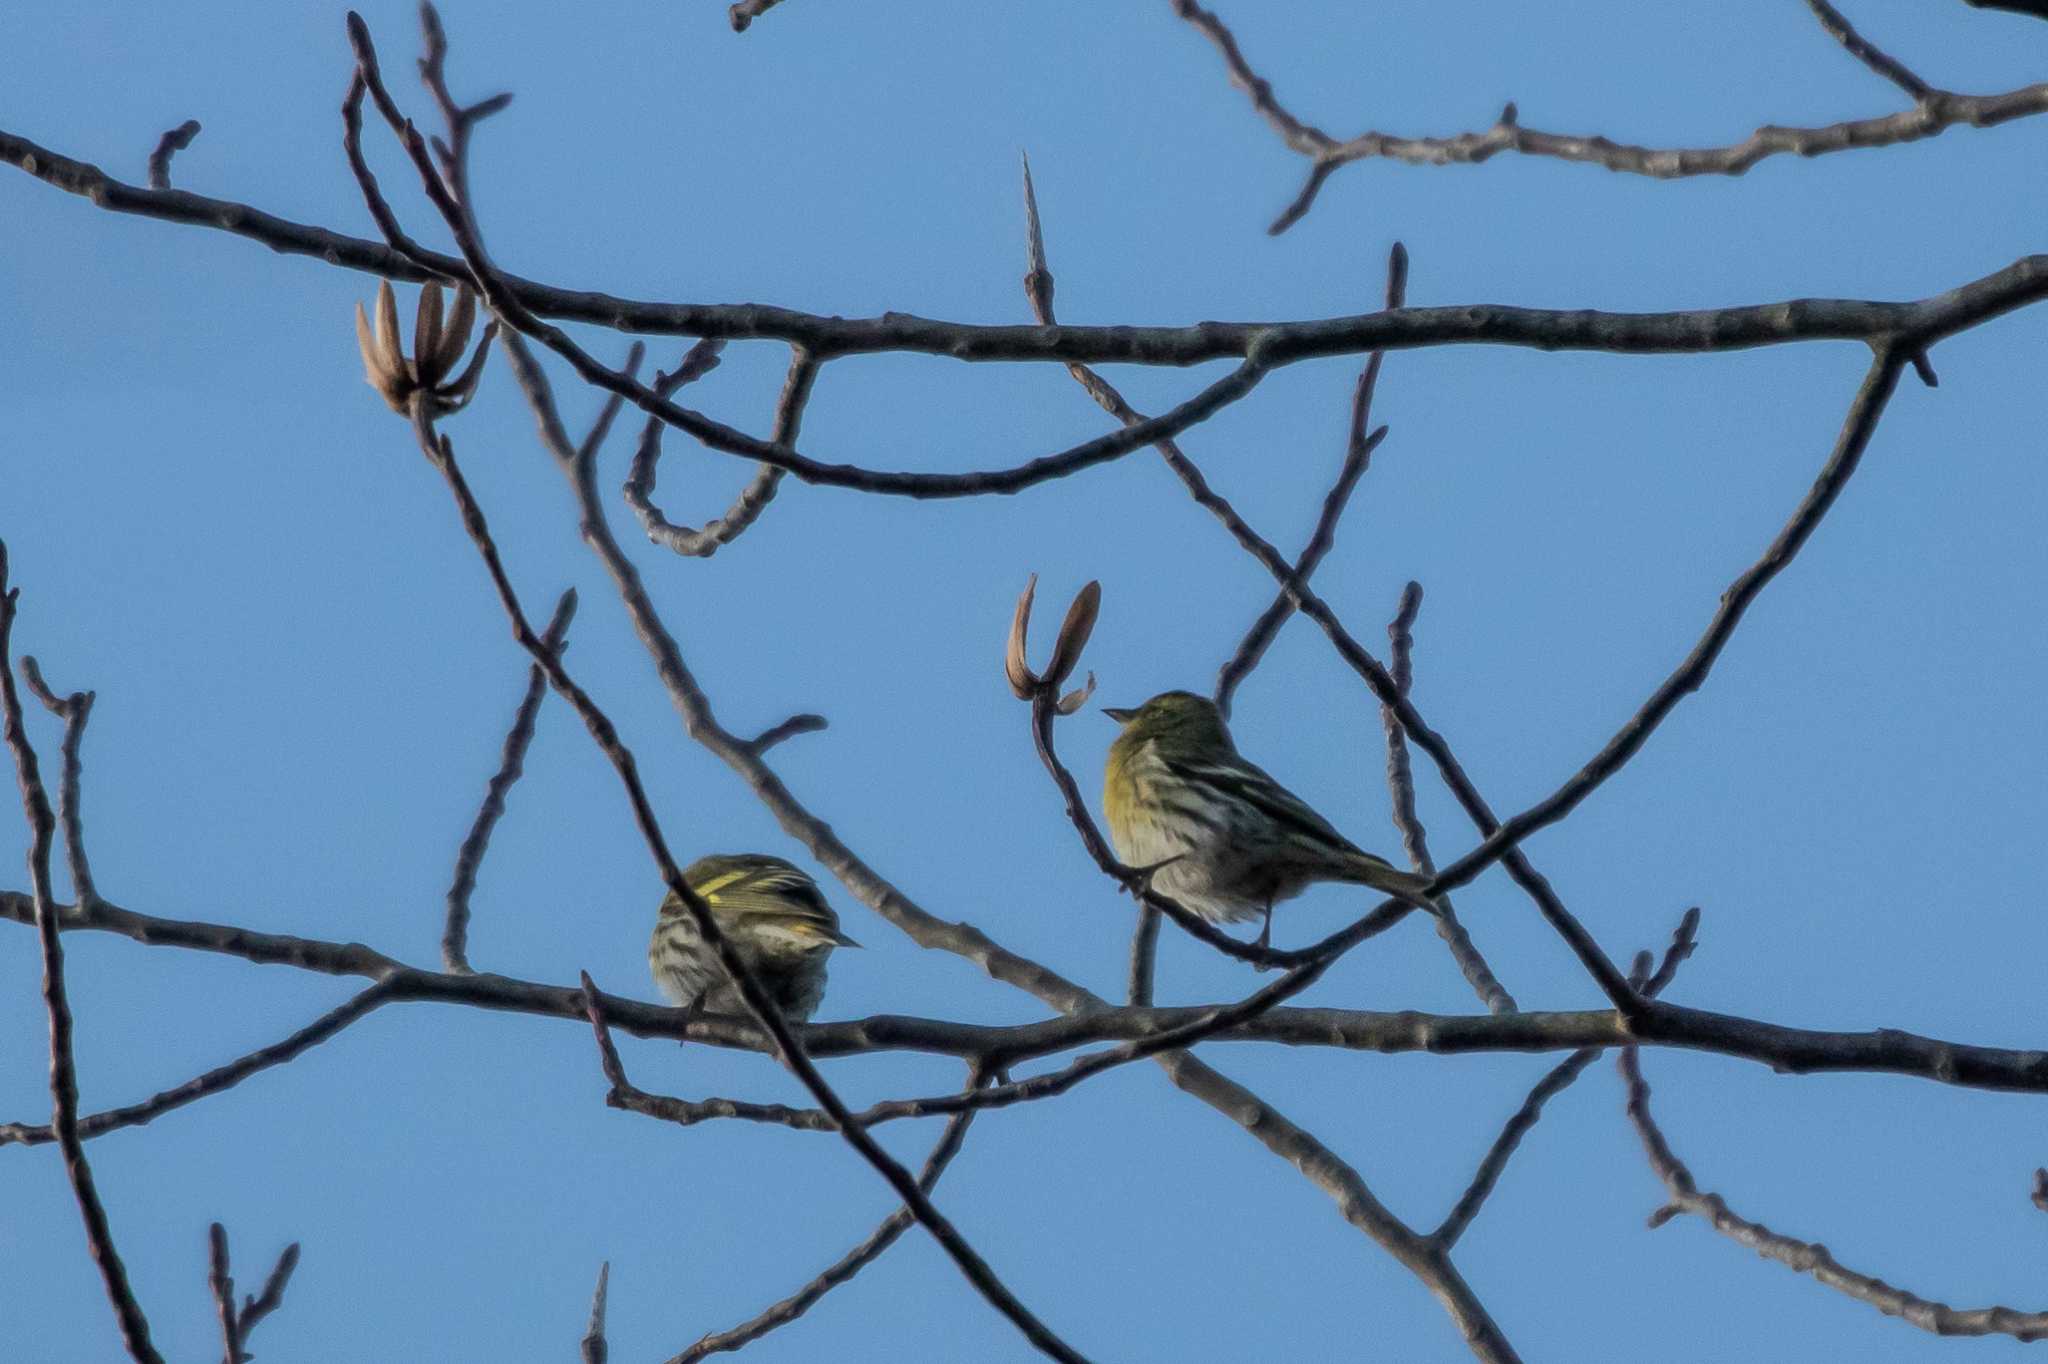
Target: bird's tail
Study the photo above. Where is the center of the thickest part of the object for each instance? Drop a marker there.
(1404, 885)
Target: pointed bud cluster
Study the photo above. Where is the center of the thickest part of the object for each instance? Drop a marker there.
(1066, 649)
(422, 379)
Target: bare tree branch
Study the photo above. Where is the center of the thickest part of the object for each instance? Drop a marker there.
(745, 12)
(1867, 52)
(1922, 321)
(595, 1351)
(1493, 848)
(168, 146)
(1560, 1077)
(1414, 838)
(511, 764)
(846, 1266)
(759, 1003)
(753, 499)
(223, 1294)
(1934, 112)
(216, 1080)
(1805, 1257)
(42, 825)
(786, 730)
(1357, 457)
(74, 710)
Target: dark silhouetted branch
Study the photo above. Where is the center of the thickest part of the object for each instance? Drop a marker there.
(1414, 838)
(1559, 1079)
(213, 1081)
(595, 1351)
(753, 499)
(168, 146)
(1934, 112)
(1357, 457)
(1805, 1257)
(1279, 342)
(42, 824)
(846, 1266)
(74, 710)
(511, 764)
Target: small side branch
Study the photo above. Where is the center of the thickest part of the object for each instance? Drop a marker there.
(1555, 1082)
(511, 765)
(595, 1351)
(237, 1322)
(214, 1081)
(754, 498)
(1414, 838)
(168, 146)
(846, 1266)
(42, 825)
(74, 710)
(768, 738)
(1357, 458)
(1933, 112)
(1804, 1257)
(1867, 52)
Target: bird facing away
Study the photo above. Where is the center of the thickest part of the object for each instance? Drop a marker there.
(1227, 840)
(771, 912)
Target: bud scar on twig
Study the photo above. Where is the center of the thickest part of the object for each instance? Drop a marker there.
(1066, 649)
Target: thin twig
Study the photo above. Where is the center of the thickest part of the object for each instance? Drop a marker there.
(1933, 112)
(511, 764)
(1357, 458)
(595, 1351)
(1414, 838)
(42, 825)
(753, 499)
(168, 146)
(1555, 1082)
(804, 723)
(846, 1266)
(255, 1309)
(1144, 954)
(223, 1288)
(74, 710)
(213, 1081)
(1805, 1257)
(1867, 52)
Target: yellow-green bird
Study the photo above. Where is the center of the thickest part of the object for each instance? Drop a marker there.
(1228, 841)
(775, 916)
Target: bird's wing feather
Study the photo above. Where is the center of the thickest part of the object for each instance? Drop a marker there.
(1246, 782)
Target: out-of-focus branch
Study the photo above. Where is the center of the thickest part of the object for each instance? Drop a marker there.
(760, 490)
(1934, 111)
(511, 764)
(846, 1266)
(42, 824)
(2035, 9)
(1560, 1077)
(1414, 838)
(786, 730)
(1357, 457)
(1805, 1257)
(168, 146)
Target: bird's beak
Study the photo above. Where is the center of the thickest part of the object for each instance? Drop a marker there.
(1119, 714)
(841, 940)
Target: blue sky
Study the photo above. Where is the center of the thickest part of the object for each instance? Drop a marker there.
(303, 679)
